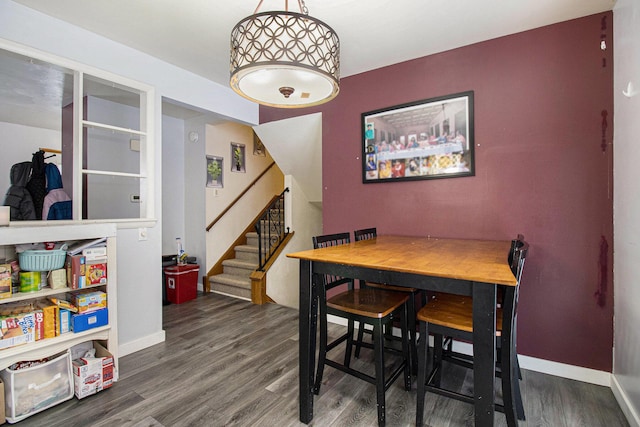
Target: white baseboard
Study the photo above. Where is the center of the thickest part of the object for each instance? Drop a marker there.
(625, 403)
(557, 369)
(578, 373)
(233, 296)
(140, 344)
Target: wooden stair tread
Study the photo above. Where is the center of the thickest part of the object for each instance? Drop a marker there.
(231, 279)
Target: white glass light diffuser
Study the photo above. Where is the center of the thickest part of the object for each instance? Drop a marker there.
(285, 59)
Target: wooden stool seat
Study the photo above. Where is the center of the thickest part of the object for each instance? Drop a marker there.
(392, 288)
(368, 302)
(453, 311)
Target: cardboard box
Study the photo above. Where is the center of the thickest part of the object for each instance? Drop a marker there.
(89, 301)
(91, 375)
(57, 279)
(96, 273)
(93, 319)
(64, 322)
(39, 329)
(20, 329)
(5, 280)
(75, 266)
(96, 253)
(50, 319)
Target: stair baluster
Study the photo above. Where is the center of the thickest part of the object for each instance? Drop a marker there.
(271, 230)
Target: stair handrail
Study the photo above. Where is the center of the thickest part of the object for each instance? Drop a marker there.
(275, 210)
(237, 199)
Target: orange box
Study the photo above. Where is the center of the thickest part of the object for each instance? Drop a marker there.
(89, 301)
(50, 319)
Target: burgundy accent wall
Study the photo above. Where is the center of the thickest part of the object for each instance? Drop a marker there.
(541, 170)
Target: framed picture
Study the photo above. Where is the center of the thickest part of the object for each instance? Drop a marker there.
(214, 171)
(237, 157)
(258, 147)
(426, 139)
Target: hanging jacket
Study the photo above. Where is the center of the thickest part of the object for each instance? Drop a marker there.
(36, 184)
(56, 204)
(17, 196)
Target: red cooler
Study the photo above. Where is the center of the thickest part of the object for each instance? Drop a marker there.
(182, 282)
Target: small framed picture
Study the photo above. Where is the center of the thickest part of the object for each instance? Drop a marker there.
(237, 157)
(214, 171)
(258, 147)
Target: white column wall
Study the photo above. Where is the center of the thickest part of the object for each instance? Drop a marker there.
(626, 208)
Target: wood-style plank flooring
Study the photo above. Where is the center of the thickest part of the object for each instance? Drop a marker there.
(226, 362)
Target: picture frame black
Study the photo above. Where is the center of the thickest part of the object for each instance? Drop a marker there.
(427, 139)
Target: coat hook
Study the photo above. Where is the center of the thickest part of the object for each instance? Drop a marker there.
(629, 92)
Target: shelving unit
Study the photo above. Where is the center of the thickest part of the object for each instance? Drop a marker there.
(45, 232)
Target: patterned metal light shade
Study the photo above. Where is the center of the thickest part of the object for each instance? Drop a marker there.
(285, 59)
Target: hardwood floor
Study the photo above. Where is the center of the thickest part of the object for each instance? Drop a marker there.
(229, 363)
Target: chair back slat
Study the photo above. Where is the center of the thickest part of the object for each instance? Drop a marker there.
(365, 234)
(327, 240)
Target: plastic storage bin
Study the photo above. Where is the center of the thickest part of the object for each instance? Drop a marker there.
(31, 390)
(182, 282)
(42, 260)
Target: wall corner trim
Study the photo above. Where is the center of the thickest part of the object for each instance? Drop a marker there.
(625, 403)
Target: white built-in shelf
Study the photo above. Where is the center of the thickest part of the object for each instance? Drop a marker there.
(50, 346)
(46, 292)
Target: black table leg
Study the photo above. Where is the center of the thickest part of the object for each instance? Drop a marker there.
(307, 338)
(484, 352)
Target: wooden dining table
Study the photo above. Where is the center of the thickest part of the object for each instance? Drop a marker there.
(459, 266)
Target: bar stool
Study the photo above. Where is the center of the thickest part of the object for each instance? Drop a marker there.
(371, 233)
(367, 306)
(452, 316)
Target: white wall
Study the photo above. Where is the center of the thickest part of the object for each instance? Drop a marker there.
(626, 209)
(172, 183)
(305, 218)
(23, 141)
(139, 262)
(299, 155)
(298, 152)
(195, 166)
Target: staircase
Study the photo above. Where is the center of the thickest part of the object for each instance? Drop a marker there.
(235, 278)
(232, 274)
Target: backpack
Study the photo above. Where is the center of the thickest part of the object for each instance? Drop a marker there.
(37, 183)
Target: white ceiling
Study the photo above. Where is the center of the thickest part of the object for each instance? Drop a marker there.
(194, 34)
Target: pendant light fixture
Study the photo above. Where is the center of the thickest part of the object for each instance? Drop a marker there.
(285, 59)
